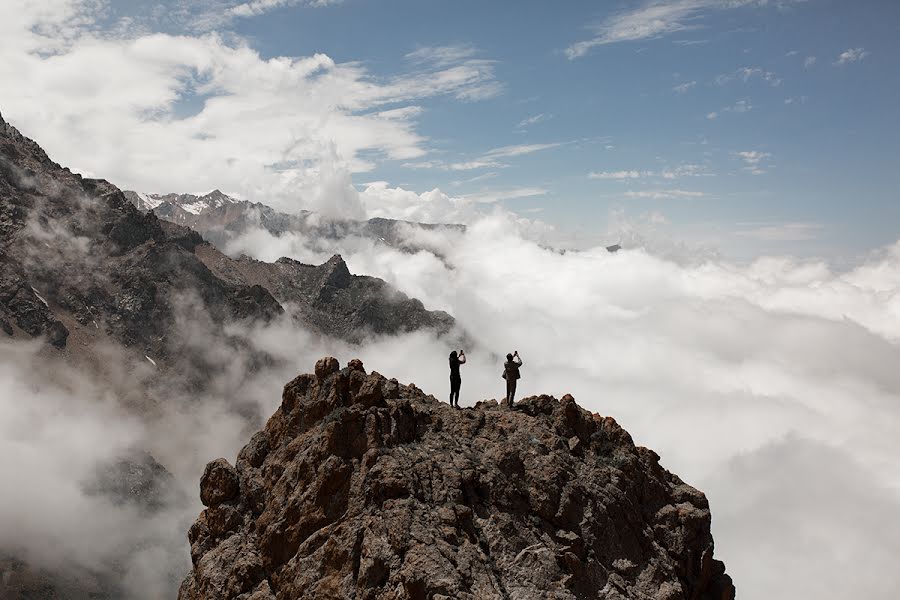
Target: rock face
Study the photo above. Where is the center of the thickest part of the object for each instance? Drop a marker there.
(360, 487)
(79, 262)
(331, 299)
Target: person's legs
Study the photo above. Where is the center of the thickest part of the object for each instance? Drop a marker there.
(510, 391)
(454, 391)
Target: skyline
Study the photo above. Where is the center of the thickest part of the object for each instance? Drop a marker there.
(748, 127)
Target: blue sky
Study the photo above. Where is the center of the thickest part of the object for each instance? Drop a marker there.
(831, 153)
(749, 126)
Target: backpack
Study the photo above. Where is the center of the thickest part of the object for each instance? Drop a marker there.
(514, 369)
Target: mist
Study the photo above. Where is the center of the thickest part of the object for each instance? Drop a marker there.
(770, 386)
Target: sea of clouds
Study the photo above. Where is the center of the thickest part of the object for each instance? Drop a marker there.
(772, 386)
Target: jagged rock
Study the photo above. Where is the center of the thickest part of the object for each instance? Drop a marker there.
(219, 483)
(136, 479)
(359, 487)
(105, 269)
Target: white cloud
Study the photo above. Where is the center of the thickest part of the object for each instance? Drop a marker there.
(663, 194)
(489, 160)
(653, 19)
(781, 232)
(851, 55)
(491, 196)
(258, 7)
(686, 170)
(442, 55)
(470, 165)
(477, 178)
(809, 61)
(615, 174)
(681, 88)
(754, 160)
(161, 113)
(745, 74)
(740, 107)
(533, 120)
(784, 372)
(519, 150)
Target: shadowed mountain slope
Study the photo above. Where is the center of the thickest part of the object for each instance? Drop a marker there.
(81, 265)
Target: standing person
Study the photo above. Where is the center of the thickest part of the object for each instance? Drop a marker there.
(511, 375)
(455, 379)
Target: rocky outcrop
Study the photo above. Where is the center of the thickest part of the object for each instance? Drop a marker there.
(79, 260)
(361, 487)
(331, 299)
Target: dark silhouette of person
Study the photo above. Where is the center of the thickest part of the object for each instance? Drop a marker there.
(455, 379)
(511, 375)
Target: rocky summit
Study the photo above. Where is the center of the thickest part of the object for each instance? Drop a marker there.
(361, 487)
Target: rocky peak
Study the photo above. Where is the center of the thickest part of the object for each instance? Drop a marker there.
(361, 487)
(336, 272)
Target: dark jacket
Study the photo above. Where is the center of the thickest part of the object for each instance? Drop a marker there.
(511, 369)
(455, 361)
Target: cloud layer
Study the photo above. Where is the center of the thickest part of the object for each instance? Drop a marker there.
(771, 386)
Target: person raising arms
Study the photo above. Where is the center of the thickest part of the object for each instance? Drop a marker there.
(455, 378)
(511, 375)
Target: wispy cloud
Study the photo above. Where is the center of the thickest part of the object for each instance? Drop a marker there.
(781, 232)
(684, 87)
(258, 7)
(688, 170)
(663, 194)
(533, 120)
(492, 159)
(809, 61)
(851, 55)
(616, 174)
(653, 19)
(442, 55)
(519, 150)
(489, 196)
(477, 178)
(741, 106)
(745, 74)
(754, 161)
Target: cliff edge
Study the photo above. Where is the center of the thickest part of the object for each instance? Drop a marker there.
(360, 487)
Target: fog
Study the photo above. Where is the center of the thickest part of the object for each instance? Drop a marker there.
(771, 386)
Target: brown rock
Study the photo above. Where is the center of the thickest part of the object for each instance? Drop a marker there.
(370, 489)
(219, 483)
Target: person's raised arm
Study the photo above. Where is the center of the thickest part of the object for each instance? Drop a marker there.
(517, 358)
(462, 357)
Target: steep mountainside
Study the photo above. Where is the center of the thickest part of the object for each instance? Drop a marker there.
(221, 219)
(79, 263)
(360, 487)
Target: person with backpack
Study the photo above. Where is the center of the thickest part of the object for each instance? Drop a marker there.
(455, 379)
(511, 375)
